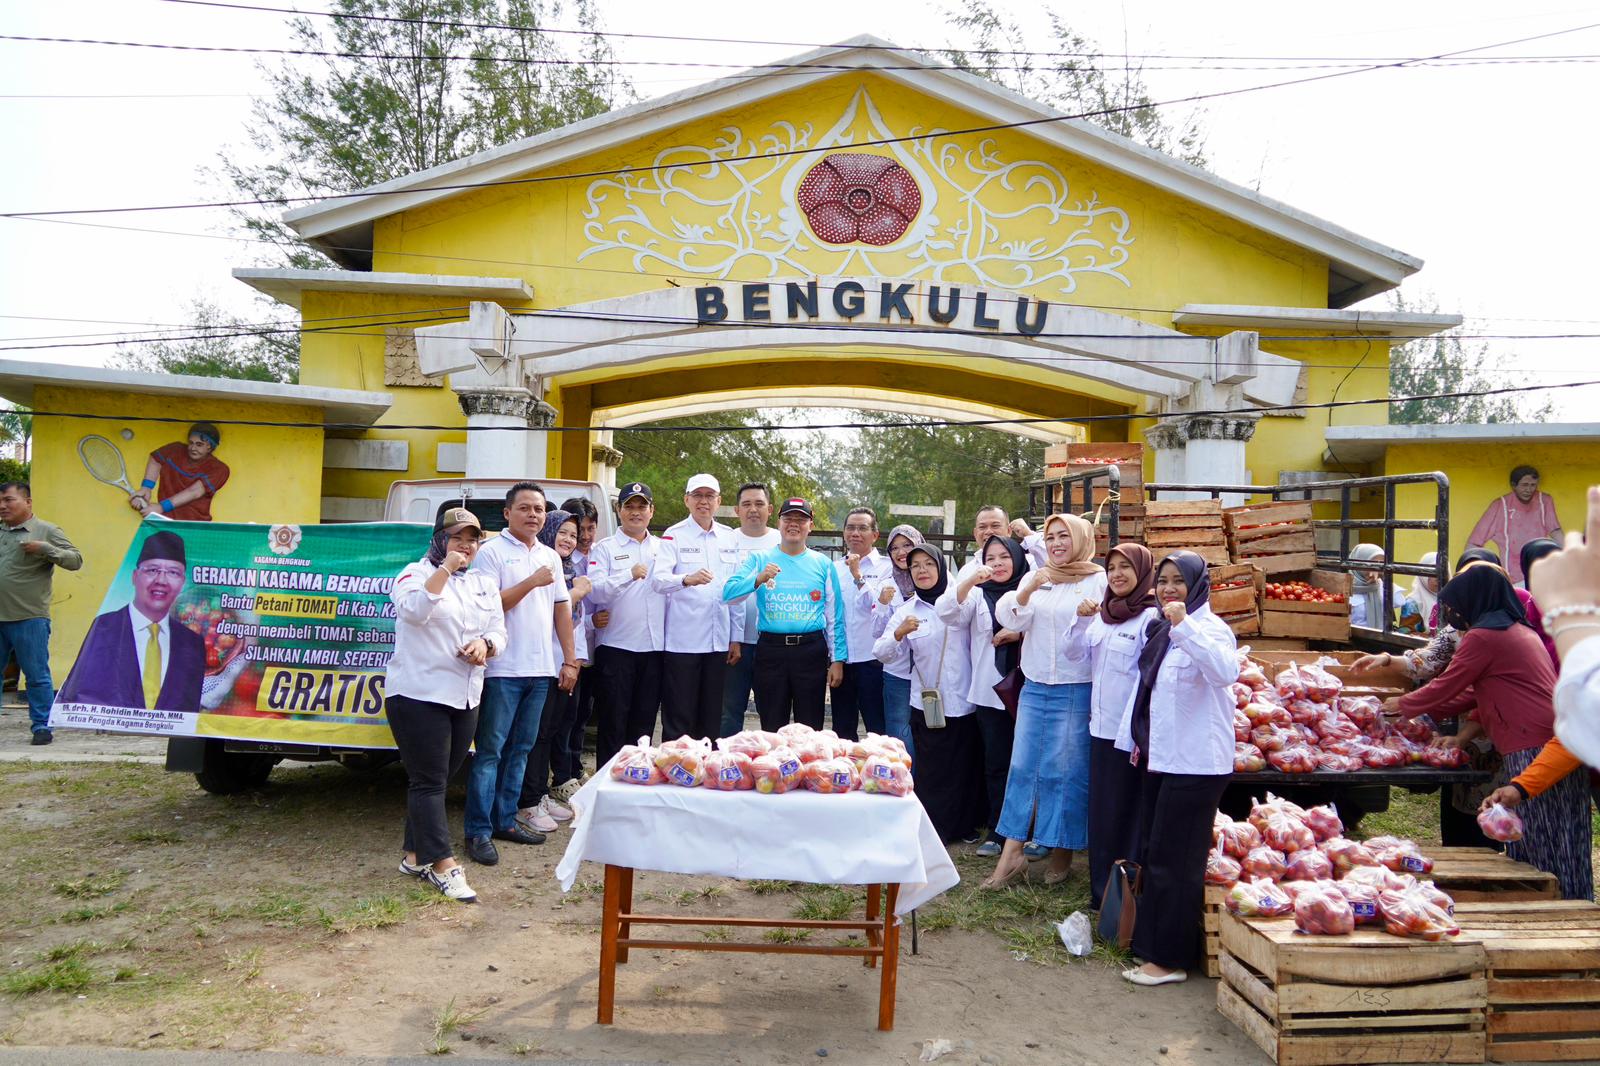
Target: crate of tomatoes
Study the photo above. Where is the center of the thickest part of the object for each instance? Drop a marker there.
(1317, 608)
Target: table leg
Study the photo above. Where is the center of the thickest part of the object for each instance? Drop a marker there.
(608, 943)
(891, 962)
(625, 887)
(873, 891)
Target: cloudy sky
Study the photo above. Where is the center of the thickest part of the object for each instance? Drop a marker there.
(1485, 170)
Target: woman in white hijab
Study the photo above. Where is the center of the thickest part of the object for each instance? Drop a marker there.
(1366, 590)
(1417, 609)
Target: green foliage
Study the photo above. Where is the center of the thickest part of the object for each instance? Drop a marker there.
(906, 463)
(1080, 80)
(16, 424)
(666, 461)
(331, 124)
(1448, 362)
(12, 470)
(217, 345)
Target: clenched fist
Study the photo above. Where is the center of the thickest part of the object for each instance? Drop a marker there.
(1090, 607)
(1175, 612)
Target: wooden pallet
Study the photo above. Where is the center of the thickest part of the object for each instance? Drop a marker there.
(1211, 921)
(1363, 998)
(1544, 978)
(1482, 875)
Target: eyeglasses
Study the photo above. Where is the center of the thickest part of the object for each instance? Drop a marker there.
(171, 573)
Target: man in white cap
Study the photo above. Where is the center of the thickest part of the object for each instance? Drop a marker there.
(697, 556)
(627, 657)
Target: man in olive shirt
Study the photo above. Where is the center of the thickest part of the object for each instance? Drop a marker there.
(30, 550)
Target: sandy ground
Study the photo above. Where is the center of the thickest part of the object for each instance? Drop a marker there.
(157, 916)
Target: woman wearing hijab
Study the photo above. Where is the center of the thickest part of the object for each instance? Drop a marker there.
(1111, 640)
(1501, 669)
(1048, 783)
(1532, 552)
(448, 623)
(1179, 732)
(949, 758)
(897, 673)
(1416, 610)
(536, 807)
(993, 651)
(1366, 588)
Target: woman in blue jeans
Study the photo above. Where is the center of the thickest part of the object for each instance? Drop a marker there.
(1048, 786)
(897, 674)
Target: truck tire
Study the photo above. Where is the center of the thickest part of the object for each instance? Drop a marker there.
(226, 773)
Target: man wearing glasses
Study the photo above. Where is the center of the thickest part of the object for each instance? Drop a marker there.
(862, 574)
(698, 555)
(137, 656)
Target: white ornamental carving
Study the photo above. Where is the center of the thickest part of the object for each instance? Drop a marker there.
(1007, 224)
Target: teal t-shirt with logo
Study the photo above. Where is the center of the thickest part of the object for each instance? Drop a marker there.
(804, 598)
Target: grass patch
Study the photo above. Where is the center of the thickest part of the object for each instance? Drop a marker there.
(153, 836)
(1024, 915)
(786, 936)
(449, 1021)
(90, 887)
(688, 897)
(717, 934)
(767, 888)
(70, 974)
(79, 915)
(281, 908)
(245, 963)
(77, 949)
(1411, 815)
(826, 904)
(374, 912)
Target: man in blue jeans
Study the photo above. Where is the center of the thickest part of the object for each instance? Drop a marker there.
(30, 551)
(534, 598)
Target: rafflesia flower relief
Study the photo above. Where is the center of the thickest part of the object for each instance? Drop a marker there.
(853, 198)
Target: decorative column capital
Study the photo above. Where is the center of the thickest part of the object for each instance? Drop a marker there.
(1175, 432)
(507, 402)
(606, 455)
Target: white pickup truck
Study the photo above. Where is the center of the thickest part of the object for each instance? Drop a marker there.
(227, 766)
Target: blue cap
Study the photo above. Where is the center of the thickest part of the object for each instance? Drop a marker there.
(632, 489)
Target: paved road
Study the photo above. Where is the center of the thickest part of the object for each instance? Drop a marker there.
(97, 1056)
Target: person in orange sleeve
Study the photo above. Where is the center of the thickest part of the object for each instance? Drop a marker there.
(184, 476)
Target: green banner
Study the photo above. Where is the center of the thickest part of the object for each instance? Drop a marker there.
(247, 632)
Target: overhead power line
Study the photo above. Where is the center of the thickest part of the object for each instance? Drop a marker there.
(651, 167)
(925, 423)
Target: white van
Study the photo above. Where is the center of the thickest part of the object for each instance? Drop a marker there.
(422, 501)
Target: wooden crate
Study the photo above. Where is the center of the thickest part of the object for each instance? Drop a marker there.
(1066, 459)
(1266, 519)
(1483, 875)
(1544, 978)
(1312, 621)
(1185, 509)
(1173, 539)
(1379, 681)
(1363, 998)
(1211, 921)
(1247, 597)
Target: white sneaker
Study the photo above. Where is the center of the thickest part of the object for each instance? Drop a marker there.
(411, 871)
(453, 883)
(535, 819)
(567, 789)
(550, 807)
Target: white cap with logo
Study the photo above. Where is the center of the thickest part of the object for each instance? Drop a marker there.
(703, 481)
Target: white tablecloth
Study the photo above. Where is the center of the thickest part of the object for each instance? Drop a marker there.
(850, 839)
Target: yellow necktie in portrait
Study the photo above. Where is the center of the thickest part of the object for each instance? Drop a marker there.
(152, 666)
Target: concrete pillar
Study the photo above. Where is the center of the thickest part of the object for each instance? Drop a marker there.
(1202, 450)
(604, 459)
(514, 452)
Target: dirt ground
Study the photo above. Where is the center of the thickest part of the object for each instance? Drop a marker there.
(145, 913)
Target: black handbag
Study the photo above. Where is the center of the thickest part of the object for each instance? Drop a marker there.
(1119, 905)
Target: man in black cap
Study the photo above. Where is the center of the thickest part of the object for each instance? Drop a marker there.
(800, 612)
(137, 656)
(627, 656)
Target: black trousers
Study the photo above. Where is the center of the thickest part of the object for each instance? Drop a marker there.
(433, 740)
(861, 692)
(691, 693)
(791, 679)
(629, 693)
(1176, 812)
(950, 763)
(566, 750)
(536, 778)
(1115, 786)
(998, 729)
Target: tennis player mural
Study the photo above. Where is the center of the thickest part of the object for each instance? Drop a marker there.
(184, 476)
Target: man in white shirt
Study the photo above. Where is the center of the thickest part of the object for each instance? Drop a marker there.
(535, 601)
(697, 556)
(862, 574)
(627, 656)
(754, 504)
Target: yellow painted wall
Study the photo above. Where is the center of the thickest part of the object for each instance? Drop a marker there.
(275, 477)
(1480, 473)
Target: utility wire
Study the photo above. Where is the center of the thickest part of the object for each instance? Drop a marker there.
(652, 167)
(1236, 412)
